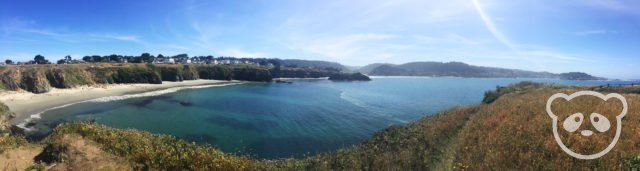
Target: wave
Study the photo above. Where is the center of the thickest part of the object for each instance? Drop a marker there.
(116, 98)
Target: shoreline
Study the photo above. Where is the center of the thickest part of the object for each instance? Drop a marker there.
(25, 104)
(320, 78)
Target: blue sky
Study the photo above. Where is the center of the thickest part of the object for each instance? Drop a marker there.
(601, 37)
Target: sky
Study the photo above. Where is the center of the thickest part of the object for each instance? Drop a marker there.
(600, 37)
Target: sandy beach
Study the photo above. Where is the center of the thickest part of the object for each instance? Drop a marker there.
(26, 103)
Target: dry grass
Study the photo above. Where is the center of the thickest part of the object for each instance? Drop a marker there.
(515, 132)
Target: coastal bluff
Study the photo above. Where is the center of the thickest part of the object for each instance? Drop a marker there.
(41, 78)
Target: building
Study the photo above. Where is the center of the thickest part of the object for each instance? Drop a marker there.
(164, 61)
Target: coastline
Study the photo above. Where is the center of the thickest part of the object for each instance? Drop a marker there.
(24, 104)
(320, 78)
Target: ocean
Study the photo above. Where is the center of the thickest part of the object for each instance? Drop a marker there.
(274, 120)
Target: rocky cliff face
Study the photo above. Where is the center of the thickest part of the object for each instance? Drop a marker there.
(5, 115)
(40, 78)
(300, 73)
(252, 74)
(68, 77)
(34, 80)
(215, 72)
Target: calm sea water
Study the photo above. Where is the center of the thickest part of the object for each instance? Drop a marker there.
(270, 120)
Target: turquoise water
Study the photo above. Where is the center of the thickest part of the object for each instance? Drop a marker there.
(270, 120)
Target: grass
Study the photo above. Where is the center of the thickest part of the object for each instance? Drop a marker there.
(515, 132)
(11, 141)
(156, 152)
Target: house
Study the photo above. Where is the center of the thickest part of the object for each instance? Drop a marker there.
(188, 61)
(169, 61)
(164, 61)
(75, 61)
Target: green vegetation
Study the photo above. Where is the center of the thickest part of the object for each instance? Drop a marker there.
(146, 151)
(519, 88)
(11, 141)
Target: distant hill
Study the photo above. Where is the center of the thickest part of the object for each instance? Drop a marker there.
(367, 69)
(460, 69)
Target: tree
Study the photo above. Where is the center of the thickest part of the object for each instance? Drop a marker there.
(87, 59)
(96, 58)
(67, 58)
(8, 61)
(114, 58)
(62, 61)
(39, 59)
(147, 58)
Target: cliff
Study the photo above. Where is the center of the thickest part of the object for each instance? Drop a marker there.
(287, 72)
(5, 116)
(40, 78)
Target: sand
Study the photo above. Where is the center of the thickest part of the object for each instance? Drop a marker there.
(25, 103)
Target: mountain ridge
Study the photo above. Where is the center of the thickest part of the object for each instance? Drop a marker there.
(461, 69)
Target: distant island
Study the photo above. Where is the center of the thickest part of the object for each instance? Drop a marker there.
(460, 69)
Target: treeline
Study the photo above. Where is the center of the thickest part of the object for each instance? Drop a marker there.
(180, 58)
(41, 78)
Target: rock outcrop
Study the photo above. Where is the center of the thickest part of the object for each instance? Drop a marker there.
(34, 80)
(5, 116)
(349, 77)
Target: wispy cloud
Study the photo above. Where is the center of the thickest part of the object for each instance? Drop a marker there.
(21, 28)
(594, 32)
(118, 37)
(492, 28)
(448, 38)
